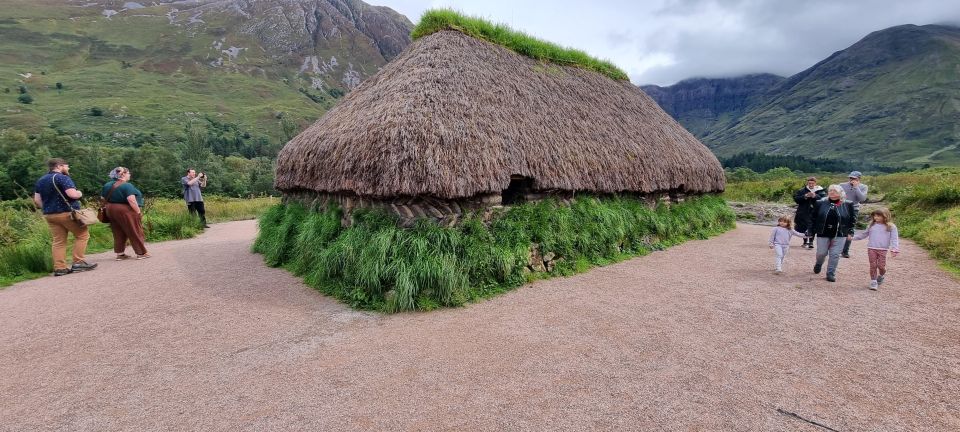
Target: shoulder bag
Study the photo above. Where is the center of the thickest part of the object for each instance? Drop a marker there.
(83, 217)
(104, 200)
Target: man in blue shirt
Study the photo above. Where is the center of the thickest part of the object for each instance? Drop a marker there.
(56, 194)
(191, 194)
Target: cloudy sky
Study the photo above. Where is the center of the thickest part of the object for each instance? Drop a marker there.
(664, 41)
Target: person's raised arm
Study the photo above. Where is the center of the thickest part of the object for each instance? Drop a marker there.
(800, 196)
(132, 200)
(189, 181)
(859, 193)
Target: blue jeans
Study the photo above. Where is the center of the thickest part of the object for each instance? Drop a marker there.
(831, 246)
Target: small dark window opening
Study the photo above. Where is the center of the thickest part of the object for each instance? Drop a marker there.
(519, 187)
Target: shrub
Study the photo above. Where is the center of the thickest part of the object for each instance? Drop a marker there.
(25, 99)
(96, 111)
(375, 264)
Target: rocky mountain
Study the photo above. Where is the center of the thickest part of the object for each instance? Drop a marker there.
(892, 97)
(704, 105)
(157, 65)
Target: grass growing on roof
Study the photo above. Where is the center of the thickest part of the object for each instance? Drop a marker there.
(436, 20)
(375, 264)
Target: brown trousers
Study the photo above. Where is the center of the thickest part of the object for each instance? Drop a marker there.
(126, 224)
(60, 225)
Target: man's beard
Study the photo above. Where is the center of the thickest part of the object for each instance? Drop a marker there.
(65, 171)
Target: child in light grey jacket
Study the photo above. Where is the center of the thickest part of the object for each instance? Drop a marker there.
(780, 240)
(882, 236)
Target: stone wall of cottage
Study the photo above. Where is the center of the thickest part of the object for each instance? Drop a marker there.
(443, 211)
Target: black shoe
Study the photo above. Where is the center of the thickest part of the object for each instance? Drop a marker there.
(831, 278)
(206, 226)
(82, 266)
(817, 267)
(62, 272)
(846, 255)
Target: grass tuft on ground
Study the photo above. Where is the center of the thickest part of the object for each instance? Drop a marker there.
(375, 264)
(436, 20)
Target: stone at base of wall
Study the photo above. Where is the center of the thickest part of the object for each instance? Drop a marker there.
(443, 211)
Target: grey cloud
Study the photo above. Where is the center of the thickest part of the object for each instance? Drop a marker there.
(776, 37)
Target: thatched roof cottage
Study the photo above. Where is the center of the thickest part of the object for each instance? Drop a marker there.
(457, 123)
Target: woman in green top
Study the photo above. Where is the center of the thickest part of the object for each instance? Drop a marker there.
(125, 211)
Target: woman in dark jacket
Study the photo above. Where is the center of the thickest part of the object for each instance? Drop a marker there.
(833, 224)
(124, 209)
(806, 198)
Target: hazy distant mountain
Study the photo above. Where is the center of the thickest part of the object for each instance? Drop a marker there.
(703, 105)
(892, 97)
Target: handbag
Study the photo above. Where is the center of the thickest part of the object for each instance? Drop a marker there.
(102, 210)
(84, 217)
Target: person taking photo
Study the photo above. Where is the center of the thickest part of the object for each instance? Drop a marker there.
(192, 182)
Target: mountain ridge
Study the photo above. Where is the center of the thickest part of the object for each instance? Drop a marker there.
(892, 97)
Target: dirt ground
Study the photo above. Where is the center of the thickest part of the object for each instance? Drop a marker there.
(699, 337)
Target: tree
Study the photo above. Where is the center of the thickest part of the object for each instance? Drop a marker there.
(778, 173)
(742, 174)
(25, 99)
(22, 89)
(197, 148)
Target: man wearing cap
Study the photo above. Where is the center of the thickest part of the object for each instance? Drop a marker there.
(56, 194)
(857, 193)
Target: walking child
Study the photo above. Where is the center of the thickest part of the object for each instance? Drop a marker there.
(882, 236)
(780, 240)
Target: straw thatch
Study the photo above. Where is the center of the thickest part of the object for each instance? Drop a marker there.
(455, 117)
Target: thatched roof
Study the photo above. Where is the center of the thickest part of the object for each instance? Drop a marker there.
(454, 116)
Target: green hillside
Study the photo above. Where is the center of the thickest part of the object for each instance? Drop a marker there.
(892, 98)
(155, 69)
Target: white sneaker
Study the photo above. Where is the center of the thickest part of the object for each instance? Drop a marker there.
(874, 285)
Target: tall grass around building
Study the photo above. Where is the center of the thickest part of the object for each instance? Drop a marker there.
(376, 264)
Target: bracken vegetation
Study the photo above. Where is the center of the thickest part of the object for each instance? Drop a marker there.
(375, 264)
(25, 238)
(436, 20)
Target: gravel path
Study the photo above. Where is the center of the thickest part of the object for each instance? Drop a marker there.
(699, 337)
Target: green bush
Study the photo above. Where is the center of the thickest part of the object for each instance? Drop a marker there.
(25, 99)
(376, 264)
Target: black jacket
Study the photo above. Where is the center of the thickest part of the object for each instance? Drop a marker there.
(805, 207)
(845, 212)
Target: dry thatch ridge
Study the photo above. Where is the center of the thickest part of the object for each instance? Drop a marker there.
(454, 117)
